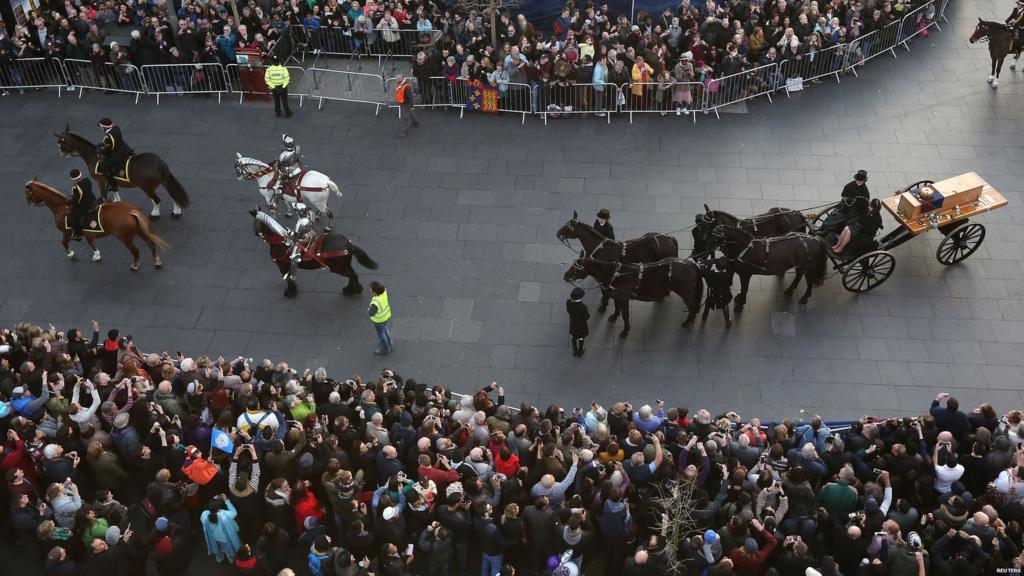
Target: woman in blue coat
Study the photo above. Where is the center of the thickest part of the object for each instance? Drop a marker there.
(221, 530)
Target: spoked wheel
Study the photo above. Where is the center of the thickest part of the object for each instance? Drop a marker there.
(868, 271)
(960, 243)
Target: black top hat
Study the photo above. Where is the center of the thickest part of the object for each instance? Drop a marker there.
(106, 123)
(577, 293)
(76, 174)
(604, 213)
(861, 175)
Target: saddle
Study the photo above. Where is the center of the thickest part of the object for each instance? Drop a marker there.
(313, 252)
(121, 173)
(90, 220)
(292, 186)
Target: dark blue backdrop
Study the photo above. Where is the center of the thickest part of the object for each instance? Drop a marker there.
(542, 12)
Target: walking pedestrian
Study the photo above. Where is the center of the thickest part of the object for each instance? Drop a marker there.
(277, 79)
(380, 313)
(578, 316)
(406, 110)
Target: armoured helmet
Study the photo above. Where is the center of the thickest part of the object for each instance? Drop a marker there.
(288, 142)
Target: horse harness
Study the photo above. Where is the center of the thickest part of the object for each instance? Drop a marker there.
(640, 267)
(767, 249)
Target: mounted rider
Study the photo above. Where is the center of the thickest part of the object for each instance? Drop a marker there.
(114, 152)
(1016, 24)
(854, 203)
(82, 201)
(304, 233)
(289, 163)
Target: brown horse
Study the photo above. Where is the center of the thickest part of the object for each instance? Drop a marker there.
(119, 219)
(1001, 41)
(146, 171)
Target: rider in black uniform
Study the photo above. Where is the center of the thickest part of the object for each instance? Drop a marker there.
(82, 201)
(1016, 23)
(602, 224)
(854, 202)
(115, 153)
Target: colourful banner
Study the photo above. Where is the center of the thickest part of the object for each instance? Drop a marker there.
(481, 98)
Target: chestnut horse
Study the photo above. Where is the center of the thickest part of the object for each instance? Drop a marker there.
(119, 219)
(1001, 41)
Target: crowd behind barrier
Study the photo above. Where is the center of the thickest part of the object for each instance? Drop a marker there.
(117, 460)
(548, 98)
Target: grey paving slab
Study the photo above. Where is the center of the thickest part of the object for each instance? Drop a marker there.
(461, 216)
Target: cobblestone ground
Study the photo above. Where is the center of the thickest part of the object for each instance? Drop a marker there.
(462, 215)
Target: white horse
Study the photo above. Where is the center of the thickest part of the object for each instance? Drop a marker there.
(314, 187)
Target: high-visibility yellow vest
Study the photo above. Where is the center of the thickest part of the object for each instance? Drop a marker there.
(276, 75)
(383, 308)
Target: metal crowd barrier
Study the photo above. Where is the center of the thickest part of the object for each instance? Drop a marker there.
(813, 65)
(746, 85)
(868, 46)
(232, 73)
(378, 42)
(105, 77)
(184, 79)
(666, 102)
(555, 100)
(516, 99)
(343, 86)
(917, 21)
(34, 73)
(436, 92)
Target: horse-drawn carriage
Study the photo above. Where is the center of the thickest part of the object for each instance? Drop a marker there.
(648, 268)
(945, 206)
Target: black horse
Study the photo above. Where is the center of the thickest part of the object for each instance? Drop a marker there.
(772, 256)
(331, 251)
(776, 222)
(647, 282)
(1001, 41)
(650, 247)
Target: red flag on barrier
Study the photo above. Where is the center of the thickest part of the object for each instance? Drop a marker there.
(481, 98)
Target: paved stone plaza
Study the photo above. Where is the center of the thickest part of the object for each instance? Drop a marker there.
(462, 216)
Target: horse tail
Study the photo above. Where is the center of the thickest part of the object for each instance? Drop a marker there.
(147, 232)
(334, 188)
(820, 265)
(363, 258)
(174, 188)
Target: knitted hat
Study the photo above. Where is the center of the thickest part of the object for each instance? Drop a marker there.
(310, 522)
(750, 545)
(121, 420)
(454, 487)
(390, 512)
(914, 539)
(160, 524)
(113, 535)
(586, 455)
(710, 536)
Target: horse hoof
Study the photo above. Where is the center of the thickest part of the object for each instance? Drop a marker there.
(328, 228)
(70, 254)
(624, 333)
(804, 300)
(990, 79)
(153, 218)
(788, 292)
(612, 319)
(96, 257)
(290, 292)
(995, 83)
(728, 324)
(687, 323)
(158, 264)
(737, 308)
(135, 267)
(175, 216)
(350, 290)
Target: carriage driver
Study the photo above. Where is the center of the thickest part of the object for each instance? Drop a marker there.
(82, 201)
(853, 204)
(1016, 23)
(115, 153)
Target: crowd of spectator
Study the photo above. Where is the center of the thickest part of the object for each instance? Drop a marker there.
(115, 459)
(661, 56)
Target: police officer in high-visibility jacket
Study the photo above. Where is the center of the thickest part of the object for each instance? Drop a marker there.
(404, 98)
(277, 79)
(380, 314)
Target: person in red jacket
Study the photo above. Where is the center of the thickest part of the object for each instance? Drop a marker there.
(506, 463)
(442, 474)
(748, 559)
(305, 505)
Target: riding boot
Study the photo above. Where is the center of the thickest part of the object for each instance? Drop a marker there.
(76, 234)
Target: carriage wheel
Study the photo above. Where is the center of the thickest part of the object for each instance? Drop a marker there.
(960, 243)
(868, 271)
